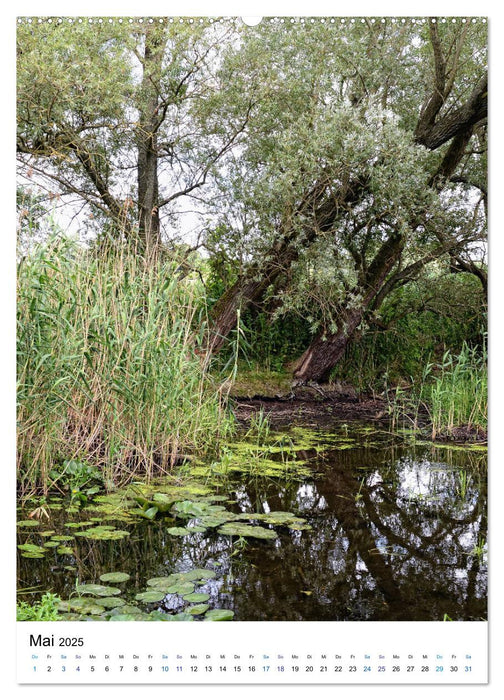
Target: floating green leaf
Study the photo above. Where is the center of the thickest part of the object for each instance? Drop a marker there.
(115, 577)
(242, 530)
(84, 606)
(196, 597)
(27, 523)
(162, 583)
(96, 589)
(197, 609)
(219, 615)
(178, 531)
(64, 550)
(150, 596)
(195, 574)
(158, 615)
(112, 602)
(32, 549)
(182, 588)
(103, 532)
(125, 609)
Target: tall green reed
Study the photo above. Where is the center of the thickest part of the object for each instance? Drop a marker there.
(458, 392)
(111, 365)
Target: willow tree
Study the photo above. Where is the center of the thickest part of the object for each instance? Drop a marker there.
(105, 116)
(366, 164)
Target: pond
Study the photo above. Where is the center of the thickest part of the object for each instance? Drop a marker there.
(352, 524)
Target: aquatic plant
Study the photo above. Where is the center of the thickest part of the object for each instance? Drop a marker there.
(110, 370)
(176, 591)
(463, 481)
(458, 392)
(46, 610)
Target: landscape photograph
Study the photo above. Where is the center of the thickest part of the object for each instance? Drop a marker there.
(251, 299)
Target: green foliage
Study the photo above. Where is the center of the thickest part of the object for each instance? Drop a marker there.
(81, 479)
(458, 392)
(110, 379)
(414, 327)
(44, 611)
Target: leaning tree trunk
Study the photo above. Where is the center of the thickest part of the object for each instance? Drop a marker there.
(327, 349)
(246, 291)
(251, 287)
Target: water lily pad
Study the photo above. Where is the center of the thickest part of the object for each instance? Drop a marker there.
(195, 574)
(182, 588)
(32, 549)
(103, 532)
(189, 509)
(242, 530)
(150, 596)
(112, 602)
(27, 523)
(62, 538)
(183, 617)
(196, 597)
(219, 615)
(84, 606)
(213, 520)
(96, 589)
(47, 533)
(115, 577)
(178, 531)
(163, 499)
(125, 609)
(51, 543)
(64, 550)
(197, 609)
(129, 617)
(162, 583)
(158, 615)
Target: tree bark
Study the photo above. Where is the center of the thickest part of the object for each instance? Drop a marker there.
(326, 350)
(148, 125)
(251, 287)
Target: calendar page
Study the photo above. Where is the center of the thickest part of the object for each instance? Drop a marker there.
(252, 349)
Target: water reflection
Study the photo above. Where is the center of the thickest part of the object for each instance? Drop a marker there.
(397, 534)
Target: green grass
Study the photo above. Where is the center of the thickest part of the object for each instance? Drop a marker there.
(111, 370)
(458, 392)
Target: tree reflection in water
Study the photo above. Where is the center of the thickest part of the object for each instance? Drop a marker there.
(393, 537)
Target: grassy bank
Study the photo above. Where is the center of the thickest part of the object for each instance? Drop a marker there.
(456, 394)
(110, 373)
(451, 396)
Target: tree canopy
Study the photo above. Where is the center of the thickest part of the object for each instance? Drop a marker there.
(330, 162)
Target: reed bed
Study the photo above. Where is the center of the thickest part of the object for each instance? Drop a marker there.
(458, 392)
(110, 365)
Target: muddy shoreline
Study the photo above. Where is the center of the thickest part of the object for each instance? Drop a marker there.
(322, 408)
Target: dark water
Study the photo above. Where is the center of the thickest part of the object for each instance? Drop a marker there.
(398, 533)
